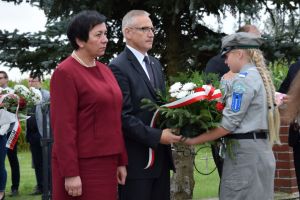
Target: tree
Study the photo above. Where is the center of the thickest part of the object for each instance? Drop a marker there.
(285, 32)
(183, 40)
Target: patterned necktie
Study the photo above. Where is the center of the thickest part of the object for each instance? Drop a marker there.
(149, 70)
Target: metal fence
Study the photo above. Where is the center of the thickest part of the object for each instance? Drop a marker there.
(46, 143)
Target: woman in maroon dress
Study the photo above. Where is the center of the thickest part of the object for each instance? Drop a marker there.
(89, 156)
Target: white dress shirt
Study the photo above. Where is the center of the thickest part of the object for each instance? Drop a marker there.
(140, 57)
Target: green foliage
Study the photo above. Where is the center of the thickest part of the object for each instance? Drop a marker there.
(46, 84)
(191, 119)
(282, 33)
(279, 72)
(23, 145)
(27, 183)
(27, 179)
(184, 41)
(205, 186)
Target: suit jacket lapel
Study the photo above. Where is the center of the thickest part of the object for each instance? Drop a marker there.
(137, 66)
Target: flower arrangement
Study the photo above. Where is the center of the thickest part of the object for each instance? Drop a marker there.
(192, 107)
(13, 106)
(19, 98)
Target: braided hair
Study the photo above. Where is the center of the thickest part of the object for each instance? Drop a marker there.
(256, 56)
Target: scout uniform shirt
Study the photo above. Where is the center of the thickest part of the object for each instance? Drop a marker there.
(250, 174)
(246, 103)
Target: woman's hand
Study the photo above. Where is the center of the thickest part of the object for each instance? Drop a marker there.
(280, 98)
(210, 135)
(73, 186)
(286, 99)
(190, 141)
(121, 175)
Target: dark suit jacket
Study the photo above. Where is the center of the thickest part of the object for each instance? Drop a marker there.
(293, 139)
(217, 65)
(139, 136)
(293, 70)
(34, 135)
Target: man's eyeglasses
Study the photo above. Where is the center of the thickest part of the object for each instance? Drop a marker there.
(145, 29)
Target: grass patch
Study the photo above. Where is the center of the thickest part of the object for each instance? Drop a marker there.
(27, 179)
(206, 186)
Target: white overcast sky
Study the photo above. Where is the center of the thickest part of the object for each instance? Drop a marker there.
(26, 18)
(23, 17)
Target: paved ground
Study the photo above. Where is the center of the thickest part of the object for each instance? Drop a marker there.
(278, 196)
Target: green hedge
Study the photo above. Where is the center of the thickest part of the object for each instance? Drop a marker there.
(279, 72)
(22, 144)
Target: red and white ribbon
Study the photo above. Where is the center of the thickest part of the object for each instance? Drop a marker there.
(7, 118)
(14, 135)
(205, 92)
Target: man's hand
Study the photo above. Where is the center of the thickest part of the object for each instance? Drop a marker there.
(73, 186)
(121, 175)
(167, 137)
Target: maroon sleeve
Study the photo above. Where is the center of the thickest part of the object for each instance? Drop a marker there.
(64, 99)
(123, 159)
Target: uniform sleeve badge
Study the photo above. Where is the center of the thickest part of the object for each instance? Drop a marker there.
(243, 74)
(237, 96)
(236, 101)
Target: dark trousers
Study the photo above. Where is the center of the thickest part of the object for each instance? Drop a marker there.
(147, 189)
(37, 158)
(218, 160)
(15, 168)
(3, 174)
(296, 149)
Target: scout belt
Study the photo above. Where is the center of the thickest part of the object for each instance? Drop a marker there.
(249, 135)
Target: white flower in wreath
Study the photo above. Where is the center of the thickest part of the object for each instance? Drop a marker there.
(6, 90)
(21, 89)
(36, 96)
(175, 87)
(188, 86)
(182, 94)
(174, 94)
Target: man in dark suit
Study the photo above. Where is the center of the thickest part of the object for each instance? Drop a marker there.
(140, 76)
(34, 132)
(294, 136)
(217, 66)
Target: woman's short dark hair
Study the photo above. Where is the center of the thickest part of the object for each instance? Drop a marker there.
(81, 24)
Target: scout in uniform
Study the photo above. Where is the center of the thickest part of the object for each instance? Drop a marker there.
(251, 119)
